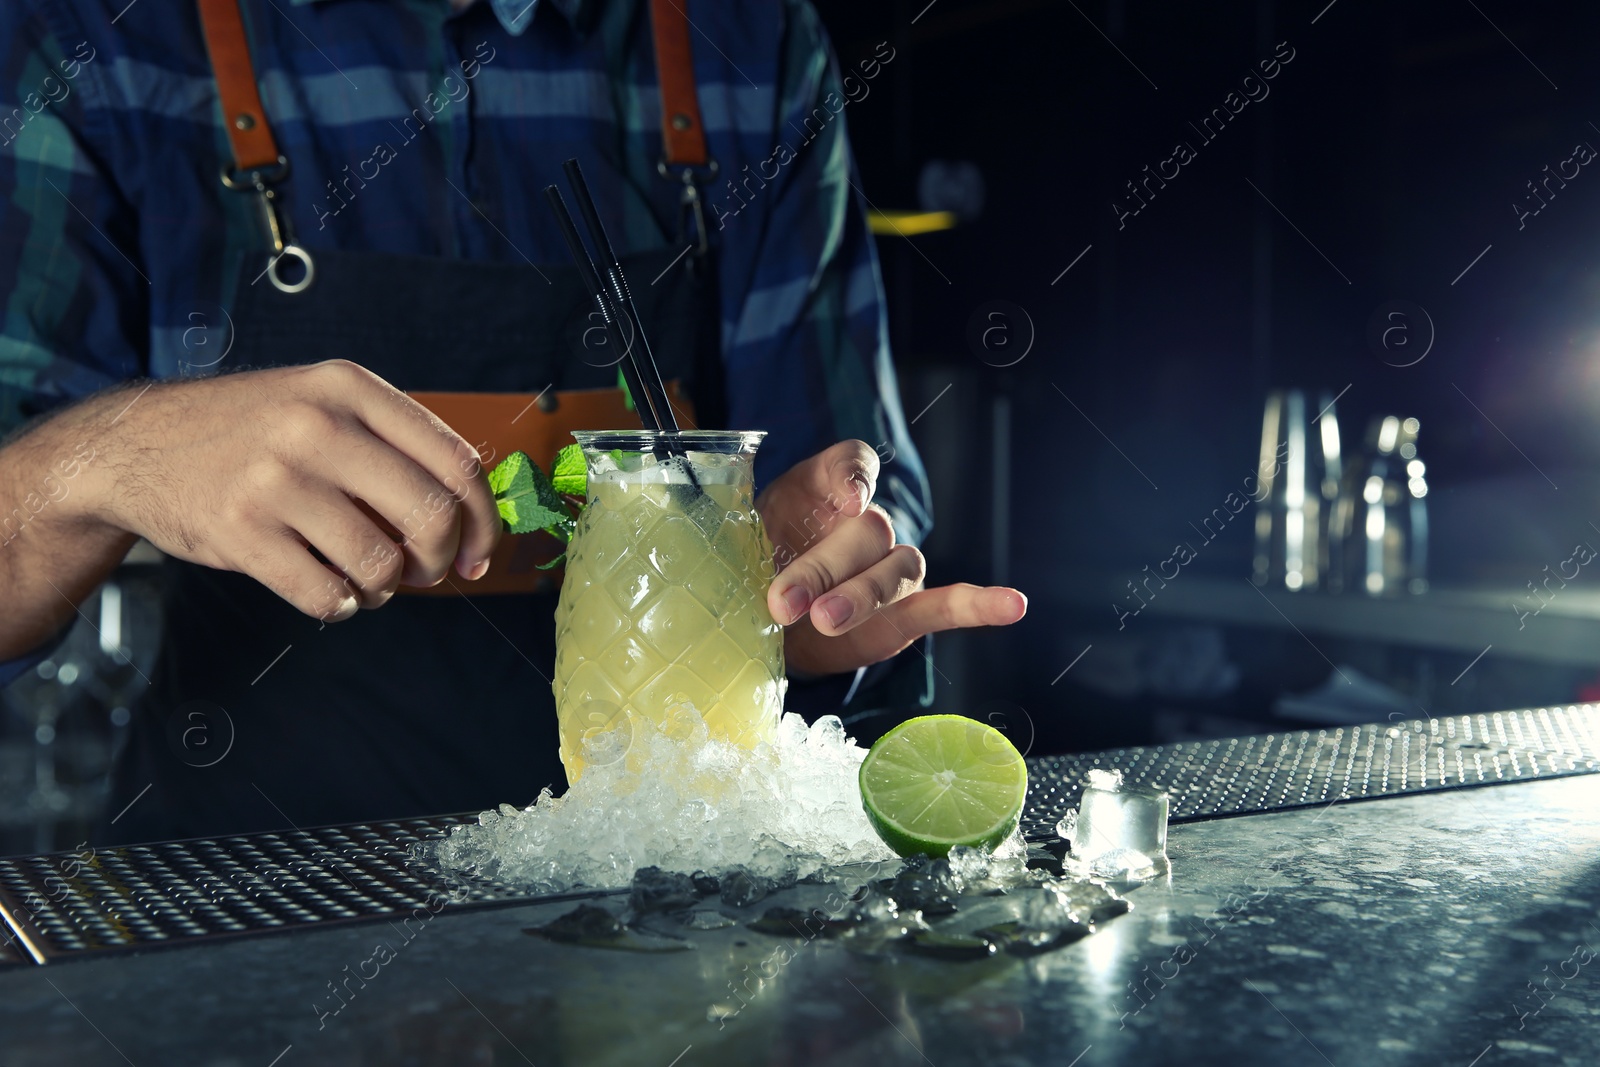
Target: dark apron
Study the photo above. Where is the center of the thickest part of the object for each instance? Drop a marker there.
(259, 716)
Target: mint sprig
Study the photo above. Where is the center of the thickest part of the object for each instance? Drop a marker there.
(527, 500)
(530, 500)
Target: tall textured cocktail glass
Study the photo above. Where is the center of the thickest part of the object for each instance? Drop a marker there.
(664, 604)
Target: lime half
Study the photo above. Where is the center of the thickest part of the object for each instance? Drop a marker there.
(940, 781)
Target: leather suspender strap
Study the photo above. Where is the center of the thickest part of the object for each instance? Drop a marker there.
(682, 131)
(253, 145)
(255, 150)
(257, 163)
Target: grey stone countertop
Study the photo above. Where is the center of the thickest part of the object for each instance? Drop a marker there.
(1456, 928)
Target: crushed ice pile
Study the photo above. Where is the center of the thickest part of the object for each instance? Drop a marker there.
(681, 800)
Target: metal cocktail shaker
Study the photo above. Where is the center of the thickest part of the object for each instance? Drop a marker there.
(1379, 530)
(1297, 481)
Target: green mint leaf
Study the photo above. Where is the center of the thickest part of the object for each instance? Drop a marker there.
(553, 564)
(569, 473)
(524, 496)
(506, 472)
(525, 515)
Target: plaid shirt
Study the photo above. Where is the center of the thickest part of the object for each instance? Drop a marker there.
(418, 129)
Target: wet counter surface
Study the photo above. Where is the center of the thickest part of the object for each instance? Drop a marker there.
(1449, 928)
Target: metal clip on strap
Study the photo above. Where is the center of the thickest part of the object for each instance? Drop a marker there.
(257, 164)
(691, 205)
(683, 138)
(283, 246)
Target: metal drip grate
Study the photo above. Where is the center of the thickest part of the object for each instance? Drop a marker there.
(180, 892)
(145, 895)
(1269, 772)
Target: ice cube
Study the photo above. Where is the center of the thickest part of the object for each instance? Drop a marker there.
(605, 744)
(1120, 831)
(968, 864)
(1043, 909)
(1090, 901)
(874, 907)
(585, 924)
(926, 884)
(827, 733)
(1106, 781)
(877, 922)
(1025, 922)
(1067, 828)
(1042, 859)
(1126, 864)
(741, 888)
(1008, 863)
(658, 890)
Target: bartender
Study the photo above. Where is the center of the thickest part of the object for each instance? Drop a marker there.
(275, 274)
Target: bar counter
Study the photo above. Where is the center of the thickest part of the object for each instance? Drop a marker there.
(1456, 926)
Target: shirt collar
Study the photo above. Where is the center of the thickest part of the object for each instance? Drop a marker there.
(515, 15)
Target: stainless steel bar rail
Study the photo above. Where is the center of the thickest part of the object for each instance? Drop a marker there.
(67, 905)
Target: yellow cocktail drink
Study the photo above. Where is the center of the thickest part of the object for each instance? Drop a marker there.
(664, 604)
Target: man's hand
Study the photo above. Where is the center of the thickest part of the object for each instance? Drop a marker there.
(848, 595)
(323, 482)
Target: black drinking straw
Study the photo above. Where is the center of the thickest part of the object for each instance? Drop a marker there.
(621, 296)
(591, 281)
(649, 413)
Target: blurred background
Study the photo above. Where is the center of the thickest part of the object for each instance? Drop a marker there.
(1096, 333)
(1385, 167)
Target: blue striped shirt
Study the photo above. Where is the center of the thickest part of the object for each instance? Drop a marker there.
(416, 128)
